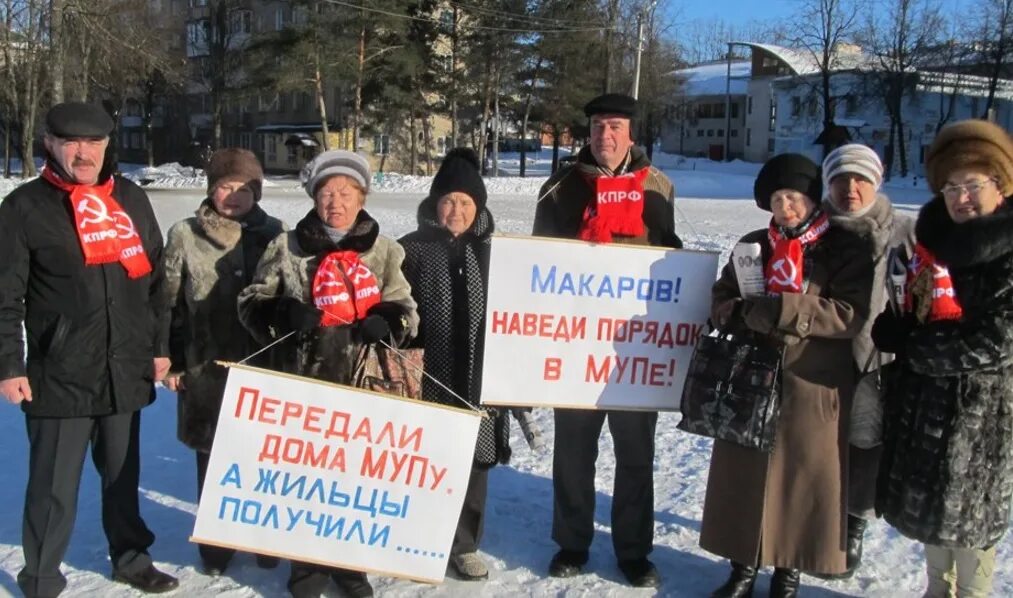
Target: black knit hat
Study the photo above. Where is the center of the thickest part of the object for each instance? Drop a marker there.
(611, 103)
(460, 172)
(787, 171)
(71, 120)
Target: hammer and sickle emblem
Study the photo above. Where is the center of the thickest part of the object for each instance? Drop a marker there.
(327, 280)
(97, 208)
(785, 273)
(124, 225)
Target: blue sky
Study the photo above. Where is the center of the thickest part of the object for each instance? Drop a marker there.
(740, 12)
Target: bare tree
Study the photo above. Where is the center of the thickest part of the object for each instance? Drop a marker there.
(25, 51)
(901, 41)
(822, 26)
(997, 25)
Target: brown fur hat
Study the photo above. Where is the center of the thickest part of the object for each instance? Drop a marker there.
(971, 144)
(235, 164)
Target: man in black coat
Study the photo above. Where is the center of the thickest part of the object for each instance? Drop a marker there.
(568, 207)
(81, 269)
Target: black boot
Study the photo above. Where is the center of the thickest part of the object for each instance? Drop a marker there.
(739, 584)
(784, 583)
(856, 533)
(853, 554)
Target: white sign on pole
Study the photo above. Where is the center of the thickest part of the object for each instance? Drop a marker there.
(572, 324)
(329, 474)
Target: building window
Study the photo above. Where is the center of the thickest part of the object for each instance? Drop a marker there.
(749, 137)
(749, 105)
(735, 132)
(699, 132)
(198, 3)
(703, 111)
(718, 111)
(710, 132)
(721, 132)
(244, 140)
(381, 145)
(770, 145)
(293, 155)
(270, 148)
(279, 18)
(796, 106)
(241, 21)
(773, 115)
(197, 35)
(735, 110)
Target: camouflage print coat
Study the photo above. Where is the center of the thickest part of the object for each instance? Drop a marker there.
(208, 260)
(947, 472)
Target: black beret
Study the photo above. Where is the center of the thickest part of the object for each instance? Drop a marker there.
(787, 171)
(460, 172)
(77, 119)
(611, 103)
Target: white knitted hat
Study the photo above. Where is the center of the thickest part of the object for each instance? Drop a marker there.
(332, 163)
(853, 158)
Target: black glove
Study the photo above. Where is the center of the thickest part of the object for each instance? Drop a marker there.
(891, 331)
(297, 315)
(373, 329)
(396, 317)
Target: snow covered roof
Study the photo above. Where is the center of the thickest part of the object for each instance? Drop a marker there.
(803, 62)
(711, 78)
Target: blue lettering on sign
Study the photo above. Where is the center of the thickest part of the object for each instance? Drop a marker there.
(554, 281)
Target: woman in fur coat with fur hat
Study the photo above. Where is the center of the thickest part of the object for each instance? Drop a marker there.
(447, 264)
(209, 258)
(946, 478)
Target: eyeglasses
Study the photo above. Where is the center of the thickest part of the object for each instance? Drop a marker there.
(972, 189)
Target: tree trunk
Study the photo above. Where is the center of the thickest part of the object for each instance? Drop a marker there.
(413, 161)
(453, 81)
(359, 75)
(427, 140)
(555, 148)
(57, 55)
(318, 88)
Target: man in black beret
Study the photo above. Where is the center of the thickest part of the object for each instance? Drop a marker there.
(82, 271)
(568, 208)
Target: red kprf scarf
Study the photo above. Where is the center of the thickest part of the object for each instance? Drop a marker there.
(344, 288)
(107, 233)
(618, 208)
(784, 269)
(944, 297)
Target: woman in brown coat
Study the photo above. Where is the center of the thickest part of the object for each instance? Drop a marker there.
(788, 508)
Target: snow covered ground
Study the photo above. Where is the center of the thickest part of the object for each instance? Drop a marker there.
(716, 208)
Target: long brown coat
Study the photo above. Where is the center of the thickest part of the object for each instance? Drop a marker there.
(788, 508)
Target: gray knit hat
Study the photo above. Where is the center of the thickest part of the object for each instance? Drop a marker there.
(333, 163)
(853, 158)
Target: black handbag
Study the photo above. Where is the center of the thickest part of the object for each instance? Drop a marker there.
(732, 390)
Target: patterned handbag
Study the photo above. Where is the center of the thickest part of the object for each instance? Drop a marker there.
(391, 372)
(732, 390)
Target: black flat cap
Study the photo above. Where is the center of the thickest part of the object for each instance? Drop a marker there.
(77, 119)
(611, 103)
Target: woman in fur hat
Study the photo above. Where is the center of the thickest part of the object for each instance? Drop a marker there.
(447, 264)
(787, 508)
(946, 478)
(227, 235)
(304, 285)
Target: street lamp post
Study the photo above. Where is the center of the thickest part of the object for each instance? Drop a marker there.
(640, 46)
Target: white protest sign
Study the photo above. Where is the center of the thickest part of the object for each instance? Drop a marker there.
(329, 474)
(572, 324)
(748, 262)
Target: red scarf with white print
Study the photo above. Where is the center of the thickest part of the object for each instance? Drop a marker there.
(784, 269)
(618, 208)
(945, 305)
(344, 288)
(107, 233)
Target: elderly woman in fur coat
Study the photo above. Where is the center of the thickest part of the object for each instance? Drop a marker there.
(788, 508)
(946, 476)
(209, 259)
(447, 264)
(335, 284)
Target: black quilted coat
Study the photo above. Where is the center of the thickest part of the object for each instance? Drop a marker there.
(449, 279)
(947, 472)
